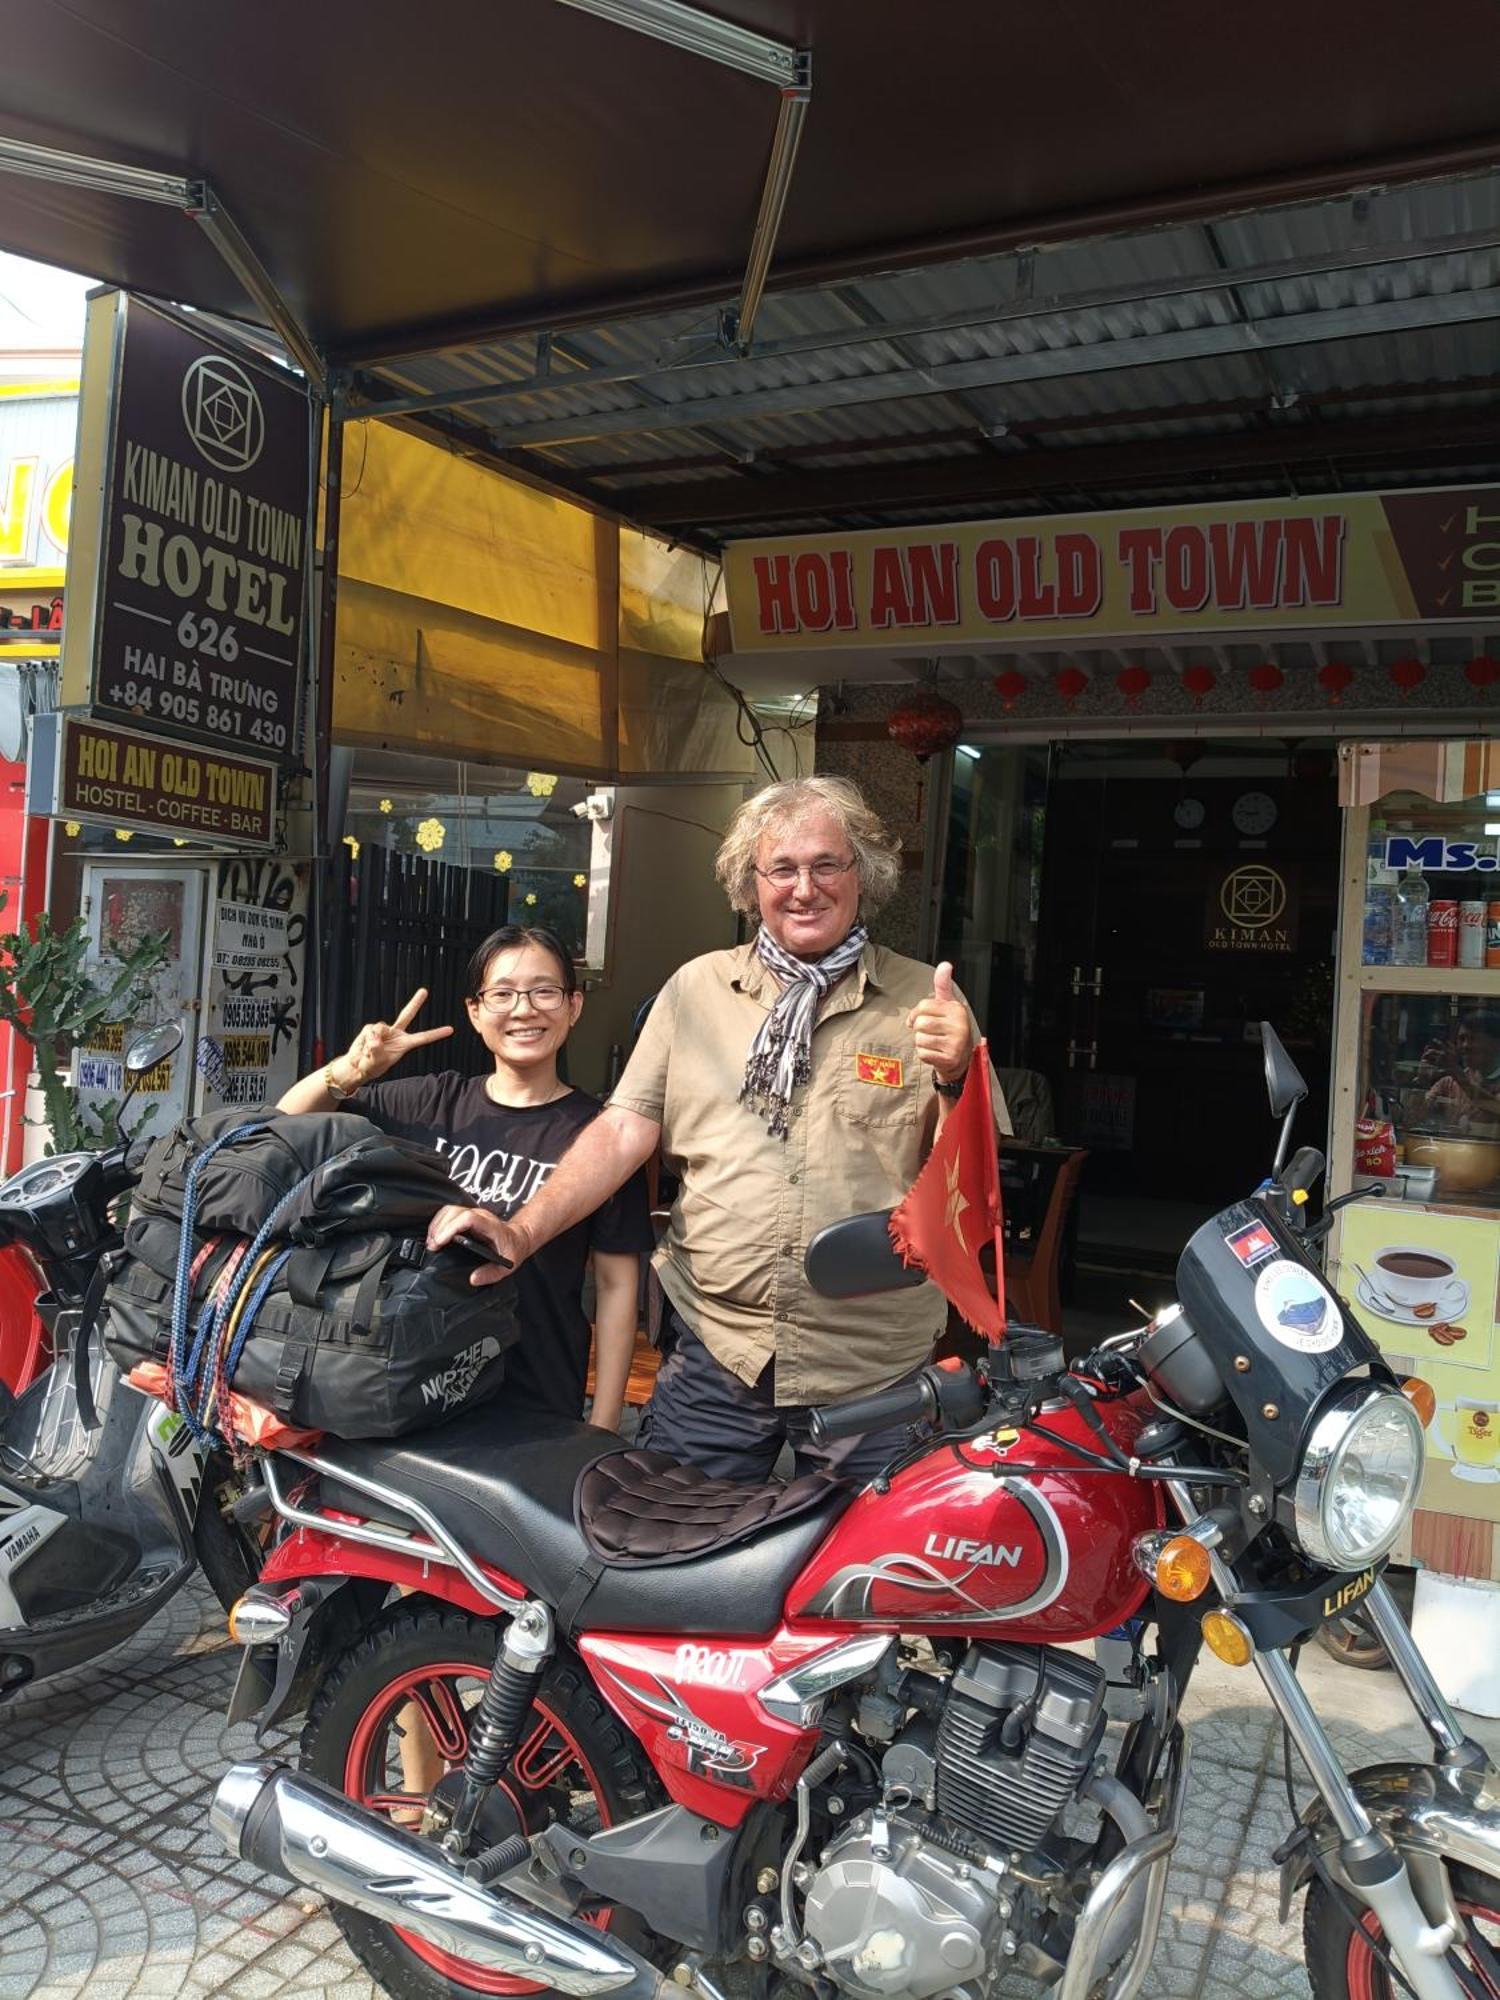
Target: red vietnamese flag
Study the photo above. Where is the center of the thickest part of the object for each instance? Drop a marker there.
(952, 1209)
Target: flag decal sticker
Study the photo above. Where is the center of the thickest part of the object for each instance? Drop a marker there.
(887, 1070)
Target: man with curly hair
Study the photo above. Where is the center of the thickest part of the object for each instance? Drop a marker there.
(789, 1082)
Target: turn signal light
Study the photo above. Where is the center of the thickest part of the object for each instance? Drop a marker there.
(1422, 1397)
(1183, 1569)
(1227, 1639)
(258, 1620)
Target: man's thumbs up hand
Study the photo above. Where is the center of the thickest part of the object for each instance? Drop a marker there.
(941, 1026)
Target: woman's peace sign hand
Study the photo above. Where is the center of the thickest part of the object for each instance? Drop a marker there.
(380, 1045)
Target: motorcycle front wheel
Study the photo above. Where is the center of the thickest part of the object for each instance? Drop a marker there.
(1341, 1965)
(575, 1764)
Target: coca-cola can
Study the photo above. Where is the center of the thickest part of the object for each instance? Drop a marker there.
(1471, 933)
(1442, 933)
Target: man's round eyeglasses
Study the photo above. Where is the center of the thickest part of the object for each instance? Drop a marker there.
(502, 999)
(824, 873)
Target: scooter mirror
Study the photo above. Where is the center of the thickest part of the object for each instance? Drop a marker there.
(1285, 1085)
(147, 1050)
(855, 1258)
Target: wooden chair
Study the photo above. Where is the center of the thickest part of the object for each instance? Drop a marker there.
(1031, 1272)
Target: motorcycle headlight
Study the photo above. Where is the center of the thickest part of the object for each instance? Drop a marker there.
(1359, 1477)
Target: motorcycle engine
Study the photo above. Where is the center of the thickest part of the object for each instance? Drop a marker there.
(915, 1897)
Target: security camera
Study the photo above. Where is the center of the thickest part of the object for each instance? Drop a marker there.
(580, 810)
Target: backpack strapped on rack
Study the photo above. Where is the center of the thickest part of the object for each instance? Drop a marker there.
(281, 1261)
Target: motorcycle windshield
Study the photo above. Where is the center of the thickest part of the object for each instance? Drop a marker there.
(1276, 1331)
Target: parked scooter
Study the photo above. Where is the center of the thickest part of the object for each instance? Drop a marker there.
(107, 1505)
(797, 1734)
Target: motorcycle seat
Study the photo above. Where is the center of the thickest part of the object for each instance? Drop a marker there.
(615, 1540)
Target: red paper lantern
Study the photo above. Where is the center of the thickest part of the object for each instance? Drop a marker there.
(1408, 674)
(1335, 676)
(1071, 683)
(925, 723)
(1010, 685)
(1482, 672)
(1265, 678)
(1199, 680)
(1133, 683)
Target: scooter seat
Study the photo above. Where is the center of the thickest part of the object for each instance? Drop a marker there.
(615, 1540)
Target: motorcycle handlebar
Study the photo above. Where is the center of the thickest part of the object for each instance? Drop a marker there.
(941, 1391)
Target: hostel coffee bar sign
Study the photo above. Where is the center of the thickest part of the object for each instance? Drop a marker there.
(189, 543)
(88, 770)
(1347, 561)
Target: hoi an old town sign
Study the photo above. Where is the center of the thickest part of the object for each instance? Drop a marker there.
(188, 558)
(1348, 560)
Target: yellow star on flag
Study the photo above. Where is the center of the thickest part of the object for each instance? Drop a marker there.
(958, 1201)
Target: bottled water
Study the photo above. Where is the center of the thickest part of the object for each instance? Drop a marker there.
(1410, 940)
(1379, 937)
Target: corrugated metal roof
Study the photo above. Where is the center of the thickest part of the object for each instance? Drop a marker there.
(1115, 343)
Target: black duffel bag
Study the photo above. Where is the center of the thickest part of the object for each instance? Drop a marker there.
(312, 1291)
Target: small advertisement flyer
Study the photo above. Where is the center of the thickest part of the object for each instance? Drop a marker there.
(1423, 1284)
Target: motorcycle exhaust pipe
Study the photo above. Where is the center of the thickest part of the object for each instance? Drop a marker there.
(295, 1826)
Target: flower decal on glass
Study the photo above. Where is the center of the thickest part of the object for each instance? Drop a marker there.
(123, 833)
(541, 784)
(72, 829)
(431, 834)
(580, 881)
(385, 805)
(352, 844)
(531, 900)
(504, 861)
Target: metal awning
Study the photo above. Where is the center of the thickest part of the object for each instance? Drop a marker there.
(1023, 259)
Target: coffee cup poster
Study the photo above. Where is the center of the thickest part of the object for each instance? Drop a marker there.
(1423, 1286)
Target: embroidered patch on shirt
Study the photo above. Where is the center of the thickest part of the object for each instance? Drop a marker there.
(879, 1069)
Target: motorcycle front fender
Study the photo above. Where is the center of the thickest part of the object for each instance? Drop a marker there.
(1432, 1814)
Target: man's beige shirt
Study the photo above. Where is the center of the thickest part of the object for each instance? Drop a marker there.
(731, 1260)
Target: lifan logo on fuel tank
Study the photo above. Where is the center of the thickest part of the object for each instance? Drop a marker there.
(995, 1555)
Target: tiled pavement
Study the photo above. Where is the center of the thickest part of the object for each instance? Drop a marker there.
(111, 1884)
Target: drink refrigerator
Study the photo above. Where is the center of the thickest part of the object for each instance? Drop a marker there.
(1416, 1112)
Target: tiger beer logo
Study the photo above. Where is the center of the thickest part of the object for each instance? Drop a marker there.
(885, 1070)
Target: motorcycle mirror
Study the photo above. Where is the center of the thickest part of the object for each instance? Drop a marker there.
(1285, 1086)
(1284, 1081)
(853, 1258)
(152, 1047)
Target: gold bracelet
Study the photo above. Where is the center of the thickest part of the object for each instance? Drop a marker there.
(336, 1090)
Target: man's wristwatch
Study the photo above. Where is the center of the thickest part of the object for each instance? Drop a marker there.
(954, 1089)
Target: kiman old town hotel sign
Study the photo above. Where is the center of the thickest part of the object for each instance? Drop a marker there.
(187, 583)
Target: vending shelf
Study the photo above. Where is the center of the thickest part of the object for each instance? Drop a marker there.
(1476, 982)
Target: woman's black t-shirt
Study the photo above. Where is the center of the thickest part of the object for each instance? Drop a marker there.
(499, 1155)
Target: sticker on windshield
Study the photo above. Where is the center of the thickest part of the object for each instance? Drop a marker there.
(1296, 1310)
(1252, 1244)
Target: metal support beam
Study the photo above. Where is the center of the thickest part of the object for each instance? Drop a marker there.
(773, 200)
(701, 35)
(754, 55)
(994, 371)
(1025, 303)
(194, 198)
(977, 480)
(229, 240)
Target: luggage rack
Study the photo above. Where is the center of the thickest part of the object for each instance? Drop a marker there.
(439, 1546)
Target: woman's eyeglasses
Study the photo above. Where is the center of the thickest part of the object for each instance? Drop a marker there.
(823, 873)
(502, 999)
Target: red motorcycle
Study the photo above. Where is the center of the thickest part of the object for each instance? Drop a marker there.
(672, 1731)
